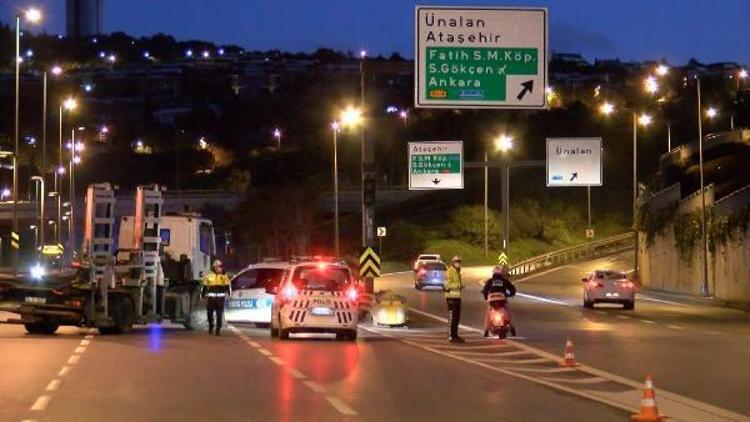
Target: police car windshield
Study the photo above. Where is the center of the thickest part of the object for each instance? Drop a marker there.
(258, 278)
(320, 277)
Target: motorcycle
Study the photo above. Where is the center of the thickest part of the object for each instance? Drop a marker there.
(498, 322)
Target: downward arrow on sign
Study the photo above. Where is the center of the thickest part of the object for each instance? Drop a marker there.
(436, 181)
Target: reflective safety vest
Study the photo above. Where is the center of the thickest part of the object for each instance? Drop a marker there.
(216, 284)
(453, 284)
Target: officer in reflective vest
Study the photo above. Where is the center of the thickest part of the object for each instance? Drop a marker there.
(216, 287)
(453, 287)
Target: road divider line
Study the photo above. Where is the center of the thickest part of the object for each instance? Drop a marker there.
(342, 407)
(590, 380)
(88, 337)
(315, 386)
(543, 299)
(653, 299)
(85, 342)
(79, 350)
(41, 403)
(675, 327)
(265, 352)
(254, 344)
(53, 385)
(647, 321)
(623, 317)
(74, 359)
(276, 360)
(65, 370)
(296, 374)
(513, 361)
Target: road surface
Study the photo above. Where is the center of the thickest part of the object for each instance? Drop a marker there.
(696, 352)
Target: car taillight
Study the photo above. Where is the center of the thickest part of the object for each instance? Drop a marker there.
(422, 271)
(595, 284)
(290, 292)
(627, 284)
(352, 294)
(497, 318)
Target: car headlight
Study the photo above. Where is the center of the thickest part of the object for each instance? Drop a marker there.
(37, 272)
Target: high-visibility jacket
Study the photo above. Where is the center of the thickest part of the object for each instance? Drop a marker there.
(216, 284)
(453, 283)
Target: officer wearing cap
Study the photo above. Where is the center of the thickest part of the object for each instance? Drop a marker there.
(216, 287)
(453, 287)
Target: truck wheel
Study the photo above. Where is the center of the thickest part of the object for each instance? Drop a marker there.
(44, 328)
(124, 316)
(197, 317)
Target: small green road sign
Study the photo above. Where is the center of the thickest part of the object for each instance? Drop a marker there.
(436, 165)
(481, 57)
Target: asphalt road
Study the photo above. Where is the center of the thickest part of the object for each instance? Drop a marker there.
(162, 373)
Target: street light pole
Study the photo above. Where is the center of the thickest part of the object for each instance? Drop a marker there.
(42, 195)
(72, 230)
(335, 128)
(58, 181)
(704, 234)
(486, 211)
(635, 190)
(506, 205)
(44, 127)
(14, 224)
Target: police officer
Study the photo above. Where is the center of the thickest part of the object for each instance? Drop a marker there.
(453, 287)
(216, 287)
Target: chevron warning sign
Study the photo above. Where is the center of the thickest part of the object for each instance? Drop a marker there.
(369, 263)
(15, 240)
(502, 259)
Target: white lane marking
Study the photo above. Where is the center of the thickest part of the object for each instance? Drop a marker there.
(315, 386)
(85, 342)
(53, 385)
(276, 360)
(623, 317)
(675, 327)
(296, 374)
(74, 359)
(64, 371)
(29, 420)
(647, 321)
(601, 312)
(254, 344)
(265, 352)
(79, 350)
(88, 337)
(529, 277)
(342, 407)
(715, 333)
(653, 299)
(513, 361)
(396, 273)
(590, 380)
(545, 370)
(41, 403)
(543, 299)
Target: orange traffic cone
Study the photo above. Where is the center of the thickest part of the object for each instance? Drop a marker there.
(649, 412)
(569, 359)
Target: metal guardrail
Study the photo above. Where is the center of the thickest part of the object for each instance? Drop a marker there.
(599, 248)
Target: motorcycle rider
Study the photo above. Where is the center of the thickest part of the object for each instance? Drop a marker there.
(499, 283)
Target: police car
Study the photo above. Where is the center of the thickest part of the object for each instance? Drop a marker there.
(316, 296)
(253, 292)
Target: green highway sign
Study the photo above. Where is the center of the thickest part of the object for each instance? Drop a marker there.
(436, 165)
(489, 57)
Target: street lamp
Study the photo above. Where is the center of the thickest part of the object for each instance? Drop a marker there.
(32, 15)
(651, 85)
(277, 136)
(662, 70)
(638, 119)
(502, 143)
(711, 113)
(68, 104)
(75, 147)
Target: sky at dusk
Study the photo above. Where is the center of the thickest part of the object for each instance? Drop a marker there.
(629, 29)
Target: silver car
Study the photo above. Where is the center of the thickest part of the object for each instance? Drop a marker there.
(430, 274)
(606, 286)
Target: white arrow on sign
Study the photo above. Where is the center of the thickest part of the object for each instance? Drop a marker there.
(382, 231)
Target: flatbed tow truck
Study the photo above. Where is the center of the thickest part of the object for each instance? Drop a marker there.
(114, 290)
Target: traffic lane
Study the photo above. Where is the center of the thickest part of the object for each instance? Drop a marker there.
(383, 379)
(28, 363)
(564, 285)
(679, 359)
(168, 373)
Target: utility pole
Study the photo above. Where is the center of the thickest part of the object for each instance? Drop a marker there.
(506, 205)
(368, 179)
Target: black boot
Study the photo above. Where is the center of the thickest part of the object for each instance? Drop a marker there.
(210, 330)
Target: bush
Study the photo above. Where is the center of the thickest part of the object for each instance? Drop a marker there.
(466, 223)
(404, 242)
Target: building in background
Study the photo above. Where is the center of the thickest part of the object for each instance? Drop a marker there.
(83, 17)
